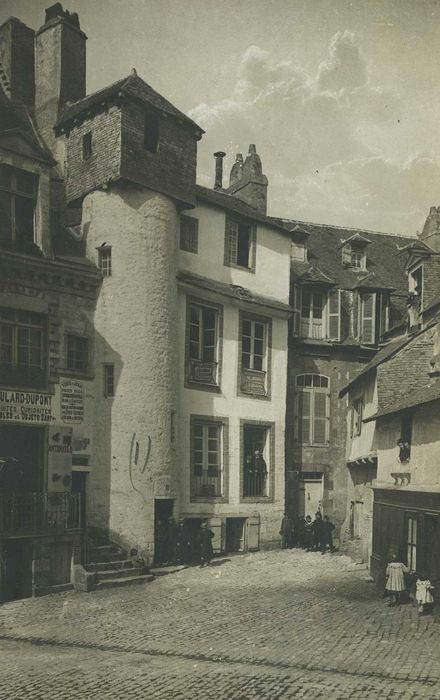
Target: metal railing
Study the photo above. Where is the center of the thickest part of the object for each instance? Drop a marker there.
(202, 372)
(254, 484)
(253, 382)
(33, 512)
(206, 485)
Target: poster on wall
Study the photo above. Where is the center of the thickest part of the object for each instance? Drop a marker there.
(59, 472)
(26, 406)
(72, 401)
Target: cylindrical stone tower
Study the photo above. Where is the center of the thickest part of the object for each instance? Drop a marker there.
(136, 332)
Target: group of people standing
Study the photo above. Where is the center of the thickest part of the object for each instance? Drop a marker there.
(312, 535)
(176, 543)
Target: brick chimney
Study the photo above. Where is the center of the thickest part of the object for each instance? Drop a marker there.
(247, 181)
(431, 231)
(60, 67)
(17, 74)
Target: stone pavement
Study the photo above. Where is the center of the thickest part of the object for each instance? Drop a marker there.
(271, 625)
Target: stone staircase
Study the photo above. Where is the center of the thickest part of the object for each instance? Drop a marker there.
(109, 567)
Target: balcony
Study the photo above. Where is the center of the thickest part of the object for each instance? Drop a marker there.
(39, 512)
(202, 372)
(254, 484)
(253, 382)
(207, 485)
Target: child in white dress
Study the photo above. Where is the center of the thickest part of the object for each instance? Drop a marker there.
(395, 584)
(423, 594)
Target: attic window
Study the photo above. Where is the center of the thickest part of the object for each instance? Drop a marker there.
(151, 131)
(87, 146)
(354, 256)
(299, 251)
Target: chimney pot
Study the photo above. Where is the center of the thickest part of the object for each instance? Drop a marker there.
(219, 155)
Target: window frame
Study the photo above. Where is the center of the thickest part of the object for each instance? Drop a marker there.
(222, 425)
(328, 314)
(70, 336)
(312, 391)
(109, 382)
(24, 370)
(14, 192)
(191, 245)
(247, 376)
(357, 414)
(87, 146)
(105, 260)
(412, 286)
(190, 362)
(231, 248)
(411, 540)
(268, 455)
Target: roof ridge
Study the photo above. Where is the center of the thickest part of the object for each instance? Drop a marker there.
(343, 228)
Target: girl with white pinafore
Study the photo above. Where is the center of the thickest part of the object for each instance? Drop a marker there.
(395, 584)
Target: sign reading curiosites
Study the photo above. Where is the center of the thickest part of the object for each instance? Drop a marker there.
(72, 401)
(26, 406)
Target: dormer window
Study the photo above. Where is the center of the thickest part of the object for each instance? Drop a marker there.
(415, 284)
(354, 256)
(298, 251)
(151, 131)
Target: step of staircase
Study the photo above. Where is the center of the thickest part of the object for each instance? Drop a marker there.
(111, 574)
(116, 564)
(123, 581)
(106, 553)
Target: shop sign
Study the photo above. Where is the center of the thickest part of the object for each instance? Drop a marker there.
(26, 406)
(72, 401)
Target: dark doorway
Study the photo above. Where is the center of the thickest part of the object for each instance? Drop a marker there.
(79, 484)
(21, 458)
(17, 570)
(235, 534)
(164, 530)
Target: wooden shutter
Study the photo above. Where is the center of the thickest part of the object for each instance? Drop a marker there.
(253, 534)
(368, 306)
(231, 242)
(346, 255)
(217, 527)
(296, 309)
(304, 416)
(319, 434)
(334, 315)
(384, 313)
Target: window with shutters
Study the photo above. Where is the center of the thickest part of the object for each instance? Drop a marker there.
(189, 234)
(312, 409)
(202, 345)
(367, 318)
(22, 348)
(18, 198)
(411, 542)
(240, 244)
(254, 351)
(317, 313)
(208, 457)
(354, 256)
(357, 414)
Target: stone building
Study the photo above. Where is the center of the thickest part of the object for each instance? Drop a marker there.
(399, 393)
(348, 289)
(46, 309)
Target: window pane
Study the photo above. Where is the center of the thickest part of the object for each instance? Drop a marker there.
(5, 216)
(25, 182)
(24, 219)
(5, 176)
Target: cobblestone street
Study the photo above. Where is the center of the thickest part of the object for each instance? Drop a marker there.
(267, 625)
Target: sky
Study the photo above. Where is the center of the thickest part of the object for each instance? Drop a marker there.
(341, 97)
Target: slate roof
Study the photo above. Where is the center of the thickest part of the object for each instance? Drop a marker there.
(234, 291)
(237, 206)
(424, 394)
(15, 118)
(385, 267)
(381, 356)
(130, 86)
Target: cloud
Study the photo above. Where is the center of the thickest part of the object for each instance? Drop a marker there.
(331, 142)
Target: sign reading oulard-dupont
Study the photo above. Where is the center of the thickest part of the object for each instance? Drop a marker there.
(26, 406)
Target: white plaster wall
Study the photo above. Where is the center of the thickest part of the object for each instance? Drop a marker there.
(272, 270)
(229, 404)
(135, 329)
(424, 463)
(362, 445)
